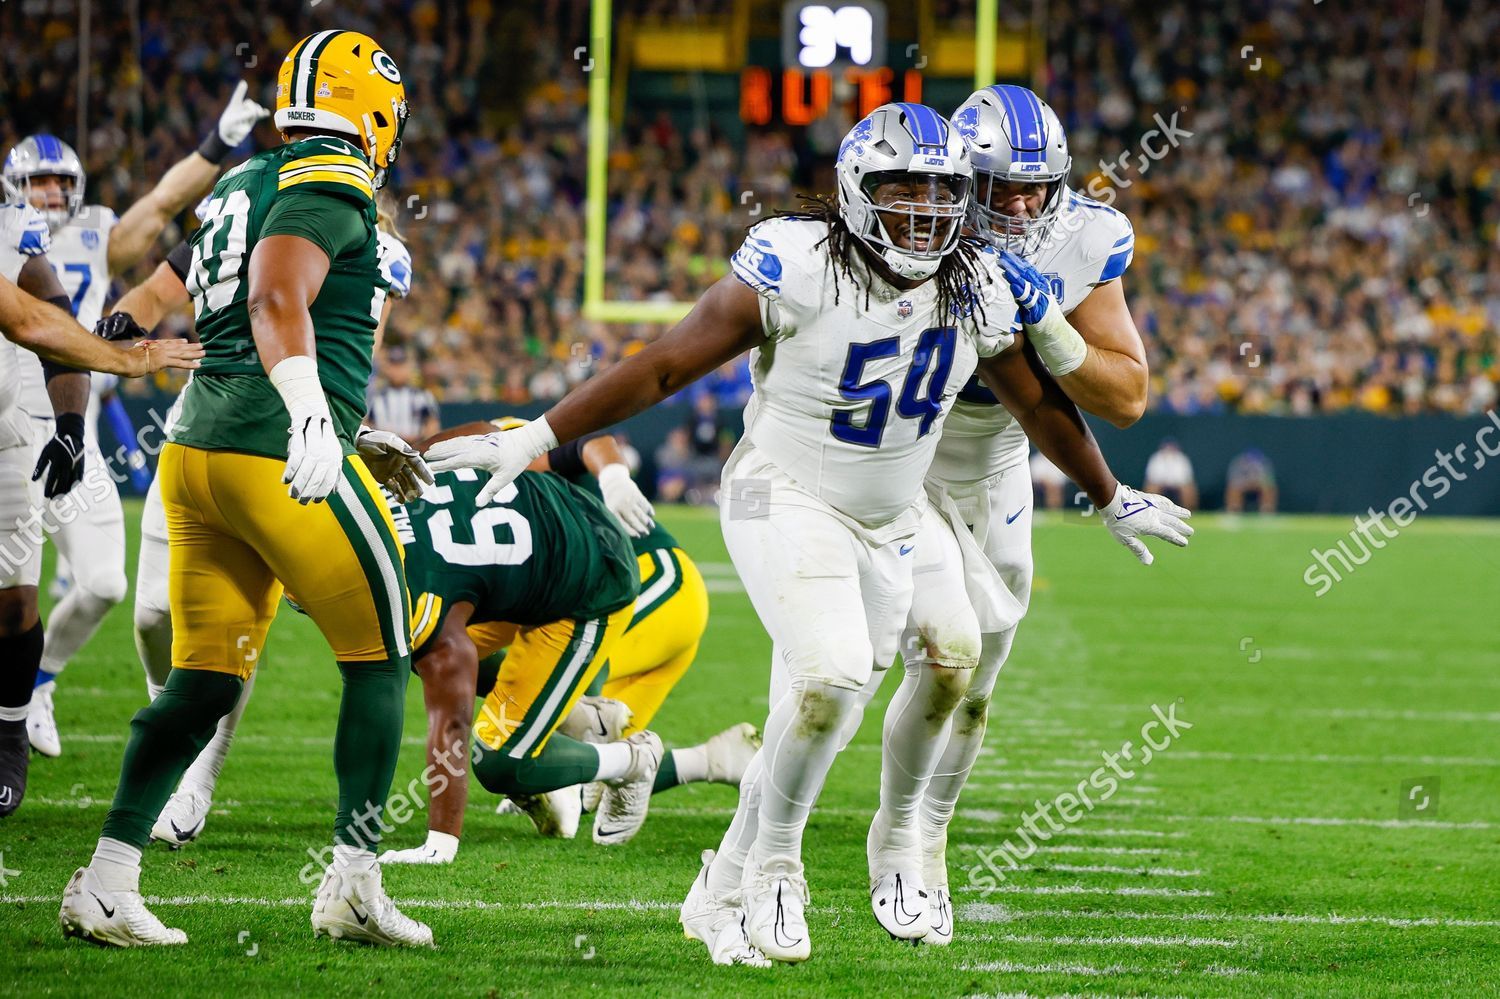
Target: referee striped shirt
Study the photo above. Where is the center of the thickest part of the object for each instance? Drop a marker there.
(402, 410)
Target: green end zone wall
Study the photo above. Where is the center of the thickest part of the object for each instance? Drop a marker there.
(1344, 463)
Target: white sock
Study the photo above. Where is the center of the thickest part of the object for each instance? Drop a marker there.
(691, 763)
(153, 616)
(803, 735)
(729, 862)
(117, 864)
(614, 760)
(72, 623)
(17, 713)
(203, 773)
(916, 728)
(352, 858)
(965, 739)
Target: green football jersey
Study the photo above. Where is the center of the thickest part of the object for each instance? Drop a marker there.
(321, 189)
(543, 550)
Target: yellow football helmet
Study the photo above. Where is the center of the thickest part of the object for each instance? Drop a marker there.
(343, 81)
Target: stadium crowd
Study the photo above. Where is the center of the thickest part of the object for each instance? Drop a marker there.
(1321, 233)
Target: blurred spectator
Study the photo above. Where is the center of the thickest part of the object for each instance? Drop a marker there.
(709, 442)
(1250, 471)
(1048, 484)
(673, 460)
(399, 406)
(1170, 472)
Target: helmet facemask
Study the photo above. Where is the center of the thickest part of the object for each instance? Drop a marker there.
(1022, 235)
(912, 220)
(44, 156)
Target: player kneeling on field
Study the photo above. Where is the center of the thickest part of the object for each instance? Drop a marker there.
(548, 565)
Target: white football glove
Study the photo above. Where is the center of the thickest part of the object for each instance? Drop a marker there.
(504, 454)
(239, 117)
(314, 458)
(625, 499)
(440, 848)
(1133, 515)
(394, 463)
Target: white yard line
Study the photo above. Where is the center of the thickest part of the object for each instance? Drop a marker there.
(1115, 940)
(1087, 890)
(1094, 971)
(990, 912)
(1301, 759)
(1113, 851)
(1316, 820)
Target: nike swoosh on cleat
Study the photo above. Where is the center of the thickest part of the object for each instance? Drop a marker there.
(108, 912)
(362, 917)
(776, 926)
(5, 793)
(182, 837)
(900, 907)
(607, 833)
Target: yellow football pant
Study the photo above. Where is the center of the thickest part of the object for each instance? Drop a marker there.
(544, 674)
(236, 538)
(671, 615)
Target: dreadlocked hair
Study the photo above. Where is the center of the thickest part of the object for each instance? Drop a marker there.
(957, 276)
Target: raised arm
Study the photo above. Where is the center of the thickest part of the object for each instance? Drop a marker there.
(723, 325)
(188, 180)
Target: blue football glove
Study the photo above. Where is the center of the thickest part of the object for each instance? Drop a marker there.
(1027, 286)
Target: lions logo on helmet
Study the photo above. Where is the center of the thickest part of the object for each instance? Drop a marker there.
(344, 82)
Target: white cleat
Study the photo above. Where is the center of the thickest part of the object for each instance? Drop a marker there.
(898, 894)
(591, 794)
(508, 806)
(730, 752)
(622, 810)
(111, 918)
(775, 899)
(597, 720)
(939, 917)
(352, 905)
(718, 923)
(554, 813)
(181, 819)
(41, 724)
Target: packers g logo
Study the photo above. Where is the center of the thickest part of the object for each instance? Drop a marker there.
(385, 66)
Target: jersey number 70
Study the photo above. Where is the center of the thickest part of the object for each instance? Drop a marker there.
(933, 355)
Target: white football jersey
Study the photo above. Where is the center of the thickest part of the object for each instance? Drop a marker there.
(80, 256)
(850, 395)
(395, 263)
(23, 235)
(1090, 244)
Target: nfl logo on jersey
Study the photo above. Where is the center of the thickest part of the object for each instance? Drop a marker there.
(903, 309)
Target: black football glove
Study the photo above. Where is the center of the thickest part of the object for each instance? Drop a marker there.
(118, 326)
(62, 457)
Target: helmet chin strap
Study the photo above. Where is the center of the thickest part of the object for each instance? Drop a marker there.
(909, 267)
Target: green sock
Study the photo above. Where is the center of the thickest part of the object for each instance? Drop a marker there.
(563, 763)
(165, 737)
(366, 745)
(596, 687)
(666, 777)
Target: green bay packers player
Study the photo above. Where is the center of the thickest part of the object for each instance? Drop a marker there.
(544, 569)
(287, 292)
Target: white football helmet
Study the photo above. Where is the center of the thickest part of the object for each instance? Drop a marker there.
(44, 155)
(1014, 137)
(915, 155)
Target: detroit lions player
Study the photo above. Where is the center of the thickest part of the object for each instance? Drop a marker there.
(90, 245)
(862, 320)
(1063, 255)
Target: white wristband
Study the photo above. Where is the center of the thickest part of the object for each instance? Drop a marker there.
(1057, 343)
(296, 378)
(538, 437)
(611, 472)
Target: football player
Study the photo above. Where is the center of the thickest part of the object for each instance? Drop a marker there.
(28, 320)
(140, 310)
(863, 319)
(263, 487)
(1064, 256)
(90, 245)
(544, 569)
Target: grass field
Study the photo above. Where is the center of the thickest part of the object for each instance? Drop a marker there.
(1266, 852)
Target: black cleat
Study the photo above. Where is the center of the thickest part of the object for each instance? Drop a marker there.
(15, 755)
